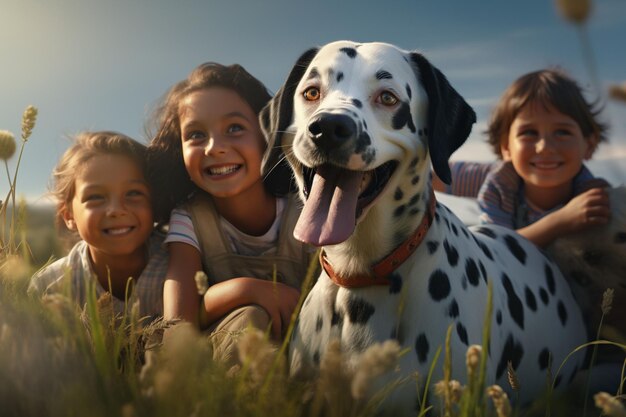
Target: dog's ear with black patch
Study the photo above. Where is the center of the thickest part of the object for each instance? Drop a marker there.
(276, 117)
(450, 118)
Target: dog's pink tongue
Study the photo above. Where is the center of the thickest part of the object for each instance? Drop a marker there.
(329, 214)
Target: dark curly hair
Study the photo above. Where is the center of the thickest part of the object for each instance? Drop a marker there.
(166, 168)
(549, 87)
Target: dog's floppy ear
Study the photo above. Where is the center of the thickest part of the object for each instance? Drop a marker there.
(277, 115)
(450, 118)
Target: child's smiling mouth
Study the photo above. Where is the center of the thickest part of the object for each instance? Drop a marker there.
(217, 171)
(118, 231)
(546, 164)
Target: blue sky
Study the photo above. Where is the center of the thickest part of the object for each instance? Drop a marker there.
(90, 64)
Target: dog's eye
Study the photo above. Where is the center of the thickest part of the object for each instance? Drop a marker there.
(387, 98)
(311, 94)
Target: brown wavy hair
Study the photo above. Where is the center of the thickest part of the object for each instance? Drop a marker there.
(166, 169)
(549, 87)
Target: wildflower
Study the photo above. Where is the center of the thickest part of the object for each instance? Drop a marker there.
(576, 11)
(7, 145)
(609, 405)
(512, 376)
(607, 301)
(500, 400)
(28, 122)
(472, 359)
(618, 92)
(202, 282)
(375, 361)
(455, 388)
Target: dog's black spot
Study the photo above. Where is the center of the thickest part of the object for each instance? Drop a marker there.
(313, 73)
(543, 294)
(368, 156)
(420, 133)
(421, 347)
(485, 231)
(464, 283)
(572, 375)
(432, 246)
(414, 211)
(402, 118)
(408, 91)
(550, 279)
(319, 324)
(531, 301)
(316, 357)
(399, 211)
(359, 310)
(499, 317)
(462, 332)
(357, 103)
(414, 162)
(362, 142)
(471, 271)
(339, 76)
(512, 352)
(485, 249)
(562, 311)
(515, 248)
(364, 124)
(465, 232)
(414, 199)
(451, 252)
(398, 194)
(331, 72)
(453, 309)
(544, 359)
(516, 308)
(336, 319)
(415, 179)
(439, 285)
(437, 218)
(395, 285)
(351, 52)
(620, 237)
(383, 75)
(483, 272)
(454, 229)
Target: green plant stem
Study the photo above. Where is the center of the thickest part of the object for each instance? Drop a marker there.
(594, 353)
(12, 191)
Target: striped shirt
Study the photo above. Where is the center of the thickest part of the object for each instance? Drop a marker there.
(76, 266)
(500, 192)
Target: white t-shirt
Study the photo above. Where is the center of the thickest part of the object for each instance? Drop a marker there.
(181, 229)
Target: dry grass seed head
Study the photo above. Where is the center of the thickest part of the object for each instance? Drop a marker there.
(7, 145)
(455, 388)
(378, 359)
(512, 377)
(472, 359)
(610, 405)
(607, 301)
(28, 122)
(500, 400)
(256, 353)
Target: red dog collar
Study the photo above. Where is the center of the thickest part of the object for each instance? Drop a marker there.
(380, 272)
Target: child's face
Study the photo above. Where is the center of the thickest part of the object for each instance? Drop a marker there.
(111, 207)
(546, 147)
(222, 142)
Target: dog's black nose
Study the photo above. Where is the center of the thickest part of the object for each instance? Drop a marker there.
(330, 131)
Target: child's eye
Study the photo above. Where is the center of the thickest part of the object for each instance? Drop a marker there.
(562, 133)
(92, 198)
(234, 128)
(195, 135)
(528, 134)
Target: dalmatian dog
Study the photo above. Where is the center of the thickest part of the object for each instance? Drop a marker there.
(360, 125)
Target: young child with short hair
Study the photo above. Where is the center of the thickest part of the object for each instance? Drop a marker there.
(225, 217)
(103, 195)
(542, 129)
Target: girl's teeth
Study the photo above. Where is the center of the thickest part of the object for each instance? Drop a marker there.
(119, 231)
(223, 170)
